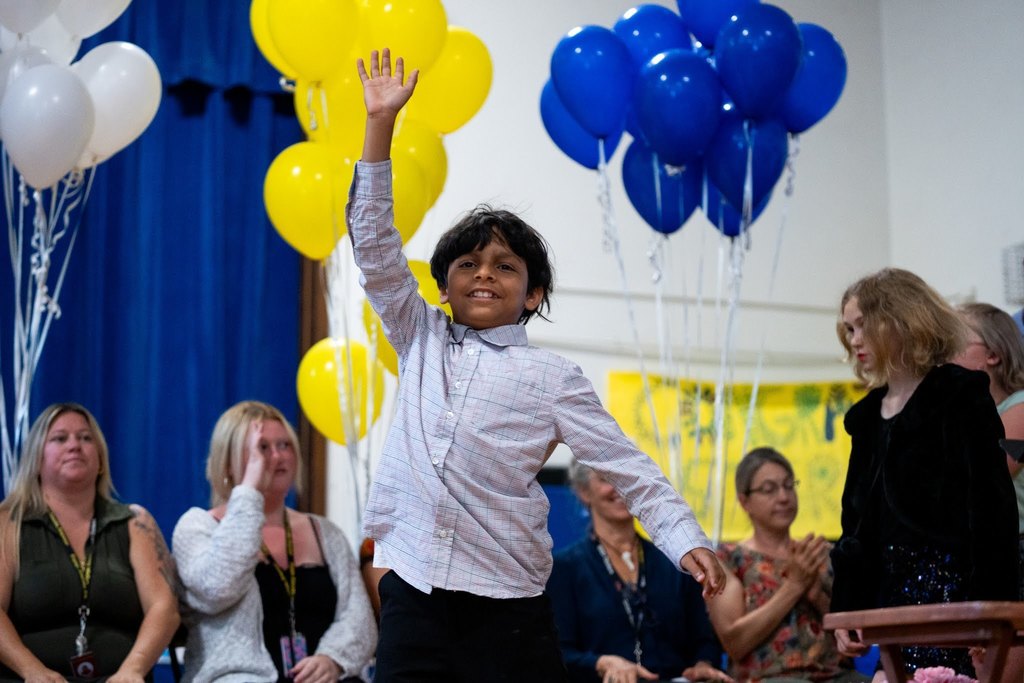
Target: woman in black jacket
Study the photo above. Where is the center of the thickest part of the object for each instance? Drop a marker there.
(929, 513)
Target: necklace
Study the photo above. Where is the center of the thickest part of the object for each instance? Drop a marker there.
(625, 555)
(632, 595)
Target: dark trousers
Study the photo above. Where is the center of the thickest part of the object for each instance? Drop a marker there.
(455, 636)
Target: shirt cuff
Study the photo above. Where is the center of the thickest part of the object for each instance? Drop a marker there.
(372, 179)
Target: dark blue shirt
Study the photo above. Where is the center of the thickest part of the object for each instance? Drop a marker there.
(592, 620)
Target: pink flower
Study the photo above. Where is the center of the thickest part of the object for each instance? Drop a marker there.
(940, 674)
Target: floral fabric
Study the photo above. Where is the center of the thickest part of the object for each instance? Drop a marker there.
(799, 647)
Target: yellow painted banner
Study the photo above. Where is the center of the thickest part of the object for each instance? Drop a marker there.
(804, 422)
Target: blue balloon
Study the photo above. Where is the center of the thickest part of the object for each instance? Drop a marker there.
(646, 179)
(593, 73)
(757, 56)
(705, 18)
(819, 81)
(633, 123)
(726, 158)
(647, 30)
(727, 219)
(569, 136)
(678, 104)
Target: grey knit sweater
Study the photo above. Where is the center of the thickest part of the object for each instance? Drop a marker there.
(221, 599)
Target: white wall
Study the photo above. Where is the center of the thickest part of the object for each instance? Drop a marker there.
(919, 165)
(954, 88)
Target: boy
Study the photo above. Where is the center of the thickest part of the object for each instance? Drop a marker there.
(455, 508)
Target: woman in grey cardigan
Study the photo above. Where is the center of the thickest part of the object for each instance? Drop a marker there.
(269, 593)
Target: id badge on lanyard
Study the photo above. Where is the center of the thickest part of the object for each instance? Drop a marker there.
(293, 645)
(83, 662)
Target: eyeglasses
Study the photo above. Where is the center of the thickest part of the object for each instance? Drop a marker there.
(770, 488)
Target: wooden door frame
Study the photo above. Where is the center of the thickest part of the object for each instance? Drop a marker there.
(312, 328)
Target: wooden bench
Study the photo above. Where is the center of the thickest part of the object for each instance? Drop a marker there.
(993, 625)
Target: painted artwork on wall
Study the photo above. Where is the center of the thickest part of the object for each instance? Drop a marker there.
(675, 426)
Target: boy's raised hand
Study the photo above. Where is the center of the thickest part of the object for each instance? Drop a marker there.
(384, 92)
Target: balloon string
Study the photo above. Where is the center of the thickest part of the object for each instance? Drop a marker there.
(681, 390)
(719, 296)
(656, 179)
(699, 302)
(723, 390)
(669, 378)
(310, 109)
(788, 194)
(670, 368)
(336, 291)
(747, 215)
(35, 305)
(611, 240)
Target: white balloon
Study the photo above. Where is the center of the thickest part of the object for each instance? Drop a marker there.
(125, 87)
(17, 61)
(21, 16)
(83, 18)
(52, 37)
(46, 119)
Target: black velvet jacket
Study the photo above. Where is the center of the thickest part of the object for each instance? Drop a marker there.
(945, 477)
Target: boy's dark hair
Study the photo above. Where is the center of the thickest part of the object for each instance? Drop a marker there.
(476, 229)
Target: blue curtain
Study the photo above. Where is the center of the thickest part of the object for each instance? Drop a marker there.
(180, 299)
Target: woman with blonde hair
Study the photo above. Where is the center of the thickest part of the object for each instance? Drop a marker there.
(86, 583)
(928, 510)
(273, 594)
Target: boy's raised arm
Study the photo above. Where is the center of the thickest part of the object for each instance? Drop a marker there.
(384, 94)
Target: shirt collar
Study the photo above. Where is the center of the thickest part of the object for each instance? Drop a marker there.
(506, 335)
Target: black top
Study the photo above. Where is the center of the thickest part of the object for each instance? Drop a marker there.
(944, 480)
(316, 598)
(46, 597)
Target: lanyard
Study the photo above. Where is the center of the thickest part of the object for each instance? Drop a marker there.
(288, 581)
(84, 571)
(626, 591)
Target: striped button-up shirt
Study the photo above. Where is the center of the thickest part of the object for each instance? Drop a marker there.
(455, 501)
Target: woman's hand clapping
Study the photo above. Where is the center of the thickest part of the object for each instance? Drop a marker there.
(808, 558)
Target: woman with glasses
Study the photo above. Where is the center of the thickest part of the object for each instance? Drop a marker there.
(272, 594)
(928, 510)
(769, 618)
(624, 611)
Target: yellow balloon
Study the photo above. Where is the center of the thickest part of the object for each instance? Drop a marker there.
(414, 30)
(375, 331)
(343, 124)
(314, 36)
(428, 285)
(452, 91)
(260, 25)
(410, 190)
(426, 148)
(318, 384)
(301, 198)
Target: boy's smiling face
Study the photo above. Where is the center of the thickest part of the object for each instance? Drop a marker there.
(487, 287)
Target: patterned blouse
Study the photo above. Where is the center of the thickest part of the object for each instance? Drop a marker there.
(799, 647)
